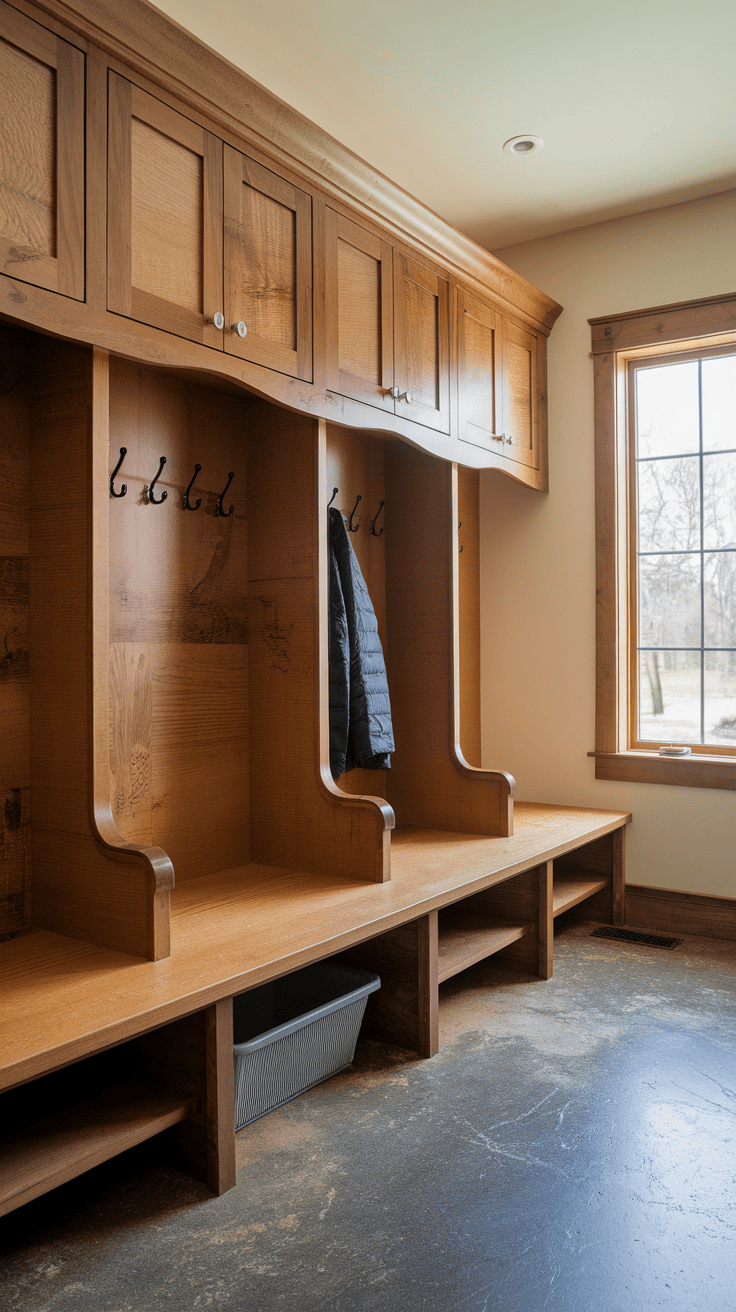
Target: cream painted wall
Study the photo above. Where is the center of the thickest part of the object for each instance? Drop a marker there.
(538, 552)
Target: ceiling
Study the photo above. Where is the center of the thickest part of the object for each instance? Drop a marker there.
(636, 103)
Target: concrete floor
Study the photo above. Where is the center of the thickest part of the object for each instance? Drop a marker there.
(571, 1149)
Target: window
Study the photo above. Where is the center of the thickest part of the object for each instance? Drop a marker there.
(666, 530)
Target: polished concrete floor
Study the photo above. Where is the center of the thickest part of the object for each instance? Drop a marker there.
(571, 1149)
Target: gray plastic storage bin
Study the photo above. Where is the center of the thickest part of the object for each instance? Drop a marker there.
(295, 1032)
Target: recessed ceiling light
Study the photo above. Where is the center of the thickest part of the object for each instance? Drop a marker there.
(523, 145)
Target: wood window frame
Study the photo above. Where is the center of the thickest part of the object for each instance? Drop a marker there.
(615, 341)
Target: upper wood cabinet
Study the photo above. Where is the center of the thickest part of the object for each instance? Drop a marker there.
(480, 372)
(523, 389)
(386, 321)
(421, 344)
(268, 268)
(164, 231)
(359, 312)
(204, 242)
(41, 156)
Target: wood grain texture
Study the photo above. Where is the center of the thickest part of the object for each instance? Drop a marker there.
(299, 818)
(664, 324)
(429, 783)
(41, 157)
(405, 1009)
(268, 267)
(602, 859)
(15, 856)
(545, 876)
(421, 343)
(240, 928)
(521, 370)
(359, 310)
(356, 466)
(480, 372)
(668, 911)
(165, 216)
(62, 1146)
(469, 936)
(468, 605)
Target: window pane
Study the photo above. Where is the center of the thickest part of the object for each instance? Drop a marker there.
(719, 501)
(669, 696)
(720, 698)
(669, 504)
(669, 601)
(667, 421)
(719, 410)
(719, 576)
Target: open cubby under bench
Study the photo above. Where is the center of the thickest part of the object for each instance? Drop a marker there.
(147, 1045)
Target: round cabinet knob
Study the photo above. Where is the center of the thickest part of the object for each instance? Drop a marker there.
(498, 437)
(510, 441)
(219, 320)
(407, 397)
(403, 396)
(394, 392)
(239, 328)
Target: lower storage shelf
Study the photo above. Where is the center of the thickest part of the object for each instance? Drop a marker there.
(465, 937)
(569, 889)
(67, 1143)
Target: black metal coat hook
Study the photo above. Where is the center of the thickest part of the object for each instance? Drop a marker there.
(223, 514)
(332, 498)
(458, 529)
(377, 531)
(148, 489)
(124, 486)
(185, 497)
(353, 528)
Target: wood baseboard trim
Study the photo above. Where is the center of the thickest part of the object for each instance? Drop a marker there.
(673, 912)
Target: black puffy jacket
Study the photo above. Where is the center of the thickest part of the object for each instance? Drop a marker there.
(361, 733)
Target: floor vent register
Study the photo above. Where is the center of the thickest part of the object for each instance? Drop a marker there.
(635, 936)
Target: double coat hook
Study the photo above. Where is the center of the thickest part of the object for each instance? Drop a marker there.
(353, 528)
(123, 486)
(223, 514)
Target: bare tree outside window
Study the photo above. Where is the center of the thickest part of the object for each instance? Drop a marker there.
(685, 459)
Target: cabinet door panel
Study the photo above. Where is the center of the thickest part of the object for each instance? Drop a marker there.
(480, 372)
(268, 267)
(165, 216)
(41, 156)
(421, 343)
(359, 313)
(521, 363)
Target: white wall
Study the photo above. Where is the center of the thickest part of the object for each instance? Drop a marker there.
(538, 552)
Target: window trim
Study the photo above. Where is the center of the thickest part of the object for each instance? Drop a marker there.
(616, 340)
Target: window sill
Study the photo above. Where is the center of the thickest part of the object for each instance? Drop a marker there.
(651, 768)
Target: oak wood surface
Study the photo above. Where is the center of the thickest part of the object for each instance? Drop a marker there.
(664, 324)
(238, 929)
(145, 39)
(421, 343)
(671, 912)
(480, 373)
(62, 1146)
(15, 865)
(469, 936)
(545, 876)
(41, 156)
(468, 615)
(429, 783)
(268, 267)
(521, 400)
(359, 312)
(569, 889)
(405, 1010)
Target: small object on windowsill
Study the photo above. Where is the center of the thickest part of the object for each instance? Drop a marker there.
(672, 750)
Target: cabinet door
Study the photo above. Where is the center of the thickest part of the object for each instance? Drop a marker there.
(268, 268)
(359, 313)
(521, 369)
(164, 245)
(421, 344)
(480, 372)
(41, 156)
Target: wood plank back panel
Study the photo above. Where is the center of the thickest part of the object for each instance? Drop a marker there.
(429, 785)
(15, 855)
(355, 465)
(41, 156)
(299, 818)
(405, 1010)
(179, 623)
